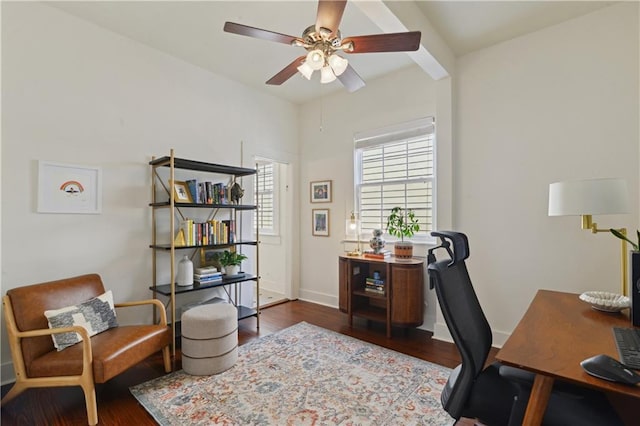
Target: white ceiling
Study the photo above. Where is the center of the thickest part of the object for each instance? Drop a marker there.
(192, 31)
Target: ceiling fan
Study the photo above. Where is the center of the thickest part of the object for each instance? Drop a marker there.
(323, 40)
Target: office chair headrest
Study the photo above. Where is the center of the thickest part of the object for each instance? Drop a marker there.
(459, 241)
(459, 254)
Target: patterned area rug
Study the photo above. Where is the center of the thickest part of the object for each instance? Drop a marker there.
(304, 375)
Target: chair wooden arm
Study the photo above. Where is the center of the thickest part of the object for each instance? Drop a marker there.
(156, 302)
(29, 302)
(16, 335)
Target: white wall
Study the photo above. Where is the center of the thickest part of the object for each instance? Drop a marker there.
(558, 104)
(75, 93)
(328, 127)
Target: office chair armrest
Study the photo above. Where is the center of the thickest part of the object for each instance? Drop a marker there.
(524, 379)
(517, 375)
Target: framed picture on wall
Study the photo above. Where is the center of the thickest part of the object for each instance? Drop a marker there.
(320, 222)
(321, 191)
(68, 188)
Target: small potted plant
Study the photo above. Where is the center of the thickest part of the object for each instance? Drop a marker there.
(231, 261)
(402, 223)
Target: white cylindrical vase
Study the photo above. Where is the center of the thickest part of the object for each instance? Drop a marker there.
(185, 272)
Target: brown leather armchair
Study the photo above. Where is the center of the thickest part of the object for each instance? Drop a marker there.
(96, 359)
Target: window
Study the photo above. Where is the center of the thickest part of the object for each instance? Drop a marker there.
(266, 197)
(395, 167)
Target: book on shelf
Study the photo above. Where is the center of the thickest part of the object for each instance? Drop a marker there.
(208, 279)
(193, 189)
(383, 254)
(374, 290)
(211, 232)
(205, 270)
(374, 281)
(209, 275)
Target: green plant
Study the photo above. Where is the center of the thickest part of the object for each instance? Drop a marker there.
(229, 258)
(636, 247)
(402, 223)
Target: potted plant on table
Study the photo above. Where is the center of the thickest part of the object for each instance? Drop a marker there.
(231, 261)
(402, 223)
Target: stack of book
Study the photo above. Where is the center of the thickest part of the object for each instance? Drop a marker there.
(381, 255)
(208, 192)
(211, 232)
(373, 285)
(207, 274)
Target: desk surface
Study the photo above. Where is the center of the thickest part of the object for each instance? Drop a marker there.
(557, 332)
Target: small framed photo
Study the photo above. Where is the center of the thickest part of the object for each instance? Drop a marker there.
(181, 192)
(321, 191)
(209, 257)
(320, 222)
(69, 188)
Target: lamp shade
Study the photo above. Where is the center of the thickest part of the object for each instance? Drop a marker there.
(305, 70)
(588, 197)
(338, 64)
(352, 227)
(315, 59)
(326, 75)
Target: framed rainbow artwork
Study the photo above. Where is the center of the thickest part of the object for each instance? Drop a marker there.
(67, 188)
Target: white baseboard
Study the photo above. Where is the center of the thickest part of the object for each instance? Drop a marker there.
(441, 332)
(319, 298)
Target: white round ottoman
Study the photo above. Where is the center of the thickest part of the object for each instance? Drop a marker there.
(209, 339)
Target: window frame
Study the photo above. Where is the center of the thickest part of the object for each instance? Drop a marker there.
(275, 230)
(392, 135)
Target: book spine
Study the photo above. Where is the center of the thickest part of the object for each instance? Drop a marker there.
(209, 192)
(193, 189)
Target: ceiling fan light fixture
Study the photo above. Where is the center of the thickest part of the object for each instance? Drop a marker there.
(315, 59)
(327, 75)
(305, 70)
(338, 64)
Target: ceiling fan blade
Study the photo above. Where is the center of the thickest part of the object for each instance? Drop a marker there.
(245, 30)
(392, 42)
(287, 72)
(351, 80)
(330, 14)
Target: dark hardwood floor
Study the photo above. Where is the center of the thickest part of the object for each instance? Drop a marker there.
(116, 406)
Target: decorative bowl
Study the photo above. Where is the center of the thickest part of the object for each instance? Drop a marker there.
(605, 301)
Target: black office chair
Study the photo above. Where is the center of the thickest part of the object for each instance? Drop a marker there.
(497, 394)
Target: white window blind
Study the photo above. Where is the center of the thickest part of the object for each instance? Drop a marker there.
(265, 198)
(395, 167)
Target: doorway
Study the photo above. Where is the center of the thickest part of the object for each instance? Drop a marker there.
(274, 205)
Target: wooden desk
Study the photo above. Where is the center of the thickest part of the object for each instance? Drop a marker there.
(555, 334)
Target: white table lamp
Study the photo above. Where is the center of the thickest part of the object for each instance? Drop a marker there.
(589, 197)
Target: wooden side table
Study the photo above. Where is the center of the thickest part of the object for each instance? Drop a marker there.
(401, 301)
